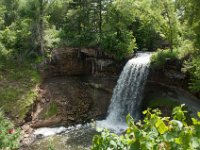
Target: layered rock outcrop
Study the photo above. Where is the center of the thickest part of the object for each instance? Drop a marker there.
(74, 61)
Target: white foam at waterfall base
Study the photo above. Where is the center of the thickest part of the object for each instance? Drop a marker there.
(127, 95)
(47, 131)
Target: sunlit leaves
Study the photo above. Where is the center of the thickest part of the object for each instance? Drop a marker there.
(154, 132)
(9, 138)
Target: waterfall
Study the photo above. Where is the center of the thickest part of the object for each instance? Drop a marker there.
(127, 95)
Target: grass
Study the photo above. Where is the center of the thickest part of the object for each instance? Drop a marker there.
(18, 87)
(51, 110)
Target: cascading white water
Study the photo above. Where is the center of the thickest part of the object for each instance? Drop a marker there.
(127, 95)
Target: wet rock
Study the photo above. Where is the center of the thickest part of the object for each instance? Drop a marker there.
(43, 100)
(26, 135)
(174, 75)
(25, 127)
(89, 52)
(70, 118)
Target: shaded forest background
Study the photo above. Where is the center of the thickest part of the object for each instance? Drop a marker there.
(33, 28)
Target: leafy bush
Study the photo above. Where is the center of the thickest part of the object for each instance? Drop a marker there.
(193, 67)
(186, 49)
(8, 37)
(191, 56)
(51, 37)
(9, 138)
(120, 47)
(154, 132)
(158, 59)
(18, 89)
(117, 38)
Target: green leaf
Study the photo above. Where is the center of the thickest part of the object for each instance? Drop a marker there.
(198, 114)
(135, 146)
(144, 112)
(160, 125)
(113, 143)
(195, 142)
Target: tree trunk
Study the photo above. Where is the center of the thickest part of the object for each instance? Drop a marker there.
(41, 27)
(170, 26)
(100, 19)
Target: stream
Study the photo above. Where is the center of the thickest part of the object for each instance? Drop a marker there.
(77, 137)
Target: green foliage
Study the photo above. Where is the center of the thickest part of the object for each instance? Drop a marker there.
(115, 26)
(147, 38)
(159, 59)
(117, 39)
(8, 37)
(9, 138)
(186, 49)
(51, 110)
(191, 17)
(193, 67)
(18, 87)
(120, 48)
(169, 26)
(154, 132)
(50, 144)
(51, 38)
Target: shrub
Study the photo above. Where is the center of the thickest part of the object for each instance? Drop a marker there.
(120, 47)
(158, 59)
(18, 88)
(154, 132)
(186, 49)
(8, 37)
(192, 66)
(51, 37)
(9, 138)
(51, 110)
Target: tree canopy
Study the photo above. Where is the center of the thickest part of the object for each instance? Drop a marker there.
(118, 27)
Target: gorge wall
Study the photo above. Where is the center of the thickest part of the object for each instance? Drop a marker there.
(74, 61)
(78, 85)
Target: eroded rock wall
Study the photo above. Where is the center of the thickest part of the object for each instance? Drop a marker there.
(77, 87)
(74, 61)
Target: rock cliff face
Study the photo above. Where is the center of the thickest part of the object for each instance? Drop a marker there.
(73, 100)
(167, 87)
(76, 88)
(170, 74)
(73, 61)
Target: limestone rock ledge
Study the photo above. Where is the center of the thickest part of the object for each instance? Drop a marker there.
(74, 61)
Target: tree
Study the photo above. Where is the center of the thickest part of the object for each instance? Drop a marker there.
(83, 23)
(163, 17)
(170, 22)
(10, 13)
(37, 12)
(117, 38)
(191, 17)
